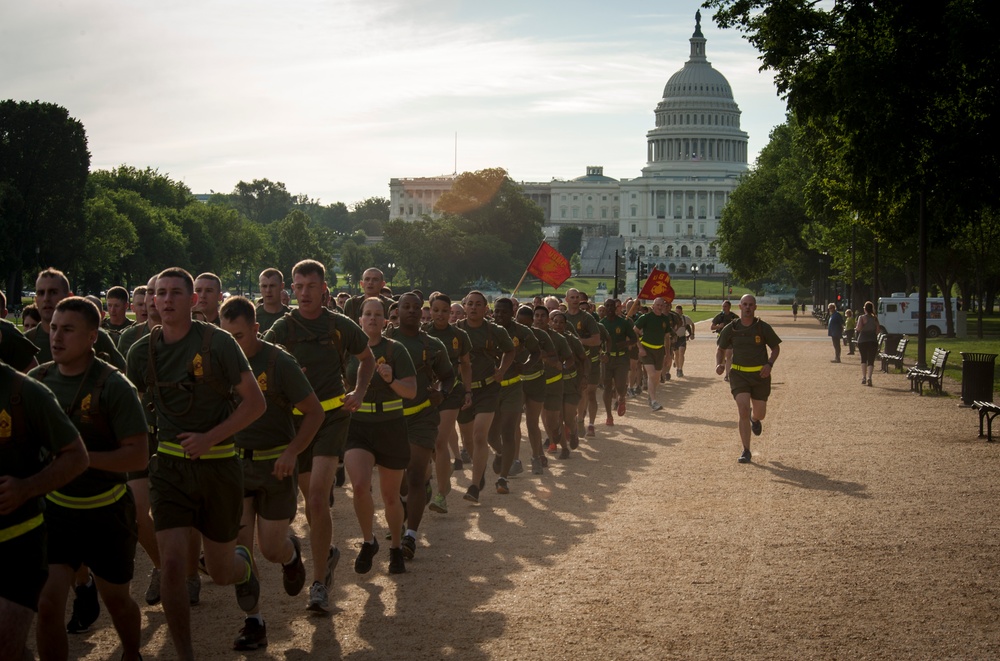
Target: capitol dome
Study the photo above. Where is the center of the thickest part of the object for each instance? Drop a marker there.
(697, 120)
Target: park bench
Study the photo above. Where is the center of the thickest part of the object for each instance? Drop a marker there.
(933, 375)
(987, 411)
(894, 358)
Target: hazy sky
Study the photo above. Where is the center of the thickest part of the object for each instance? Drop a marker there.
(334, 97)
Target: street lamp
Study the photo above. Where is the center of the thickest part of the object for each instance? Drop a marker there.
(239, 284)
(391, 268)
(694, 296)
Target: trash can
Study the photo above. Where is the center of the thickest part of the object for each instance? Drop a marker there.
(977, 377)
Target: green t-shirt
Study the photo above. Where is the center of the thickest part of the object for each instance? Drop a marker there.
(489, 343)
(192, 403)
(266, 319)
(575, 365)
(283, 387)
(656, 327)
(430, 360)
(130, 336)
(115, 330)
(545, 348)
(749, 343)
(562, 351)
(15, 349)
(526, 345)
(379, 392)
(104, 345)
(45, 429)
(455, 340)
(620, 332)
(312, 343)
(118, 414)
(352, 308)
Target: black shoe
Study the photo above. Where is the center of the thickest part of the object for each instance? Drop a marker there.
(502, 486)
(86, 608)
(363, 563)
(252, 636)
(409, 546)
(574, 442)
(755, 427)
(472, 495)
(457, 465)
(293, 576)
(745, 457)
(396, 563)
(564, 453)
(497, 464)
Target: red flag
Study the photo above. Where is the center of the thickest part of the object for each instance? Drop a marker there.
(657, 286)
(549, 266)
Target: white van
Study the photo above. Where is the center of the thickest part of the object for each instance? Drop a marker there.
(898, 314)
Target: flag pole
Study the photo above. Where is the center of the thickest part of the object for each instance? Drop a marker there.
(525, 274)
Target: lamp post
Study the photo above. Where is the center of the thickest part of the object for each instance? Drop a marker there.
(239, 284)
(694, 296)
(391, 268)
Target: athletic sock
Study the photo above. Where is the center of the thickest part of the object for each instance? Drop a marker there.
(411, 532)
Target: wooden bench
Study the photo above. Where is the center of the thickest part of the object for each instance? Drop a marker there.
(896, 358)
(987, 411)
(933, 375)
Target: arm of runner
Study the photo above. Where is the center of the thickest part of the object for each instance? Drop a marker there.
(505, 363)
(69, 462)
(252, 405)
(312, 419)
(131, 455)
(366, 368)
(765, 371)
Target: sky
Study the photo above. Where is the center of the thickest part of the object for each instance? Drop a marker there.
(335, 97)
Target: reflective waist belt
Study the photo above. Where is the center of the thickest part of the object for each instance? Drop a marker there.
(18, 529)
(616, 354)
(328, 404)
(485, 382)
(381, 407)
(741, 368)
(176, 450)
(596, 358)
(413, 410)
(571, 375)
(532, 377)
(261, 455)
(511, 381)
(553, 379)
(112, 495)
(651, 346)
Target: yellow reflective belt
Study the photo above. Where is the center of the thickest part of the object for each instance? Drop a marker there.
(19, 529)
(616, 354)
(596, 358)
(392, 405)
(511, 381)
(741, 368)
(651, 346)
(262, 455)
(485, 382)
(532, 377)
(571, 375)
(553, 379)
(110, 496)
(417, 409)
(328, 404)
(176, 450)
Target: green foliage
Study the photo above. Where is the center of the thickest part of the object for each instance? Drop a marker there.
(570, 240)
(293, 239)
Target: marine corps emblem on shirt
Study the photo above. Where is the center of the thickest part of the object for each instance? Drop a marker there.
(197, 368)
(262, 381)
(757, 339)
(380, 361)
(5, 424)
(454, 343)
(516, 341)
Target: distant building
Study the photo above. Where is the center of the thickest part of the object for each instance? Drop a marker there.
(669, 215)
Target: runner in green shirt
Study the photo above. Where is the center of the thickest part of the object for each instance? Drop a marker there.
(654, 331)
(622, 338)
(272, 283)
(586, 328)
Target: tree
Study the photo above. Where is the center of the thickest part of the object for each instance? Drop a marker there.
(570, 240)
(262, 200)
(159, 189)
(372, 208)
(354, 259)
(294, 239)
(43, 175)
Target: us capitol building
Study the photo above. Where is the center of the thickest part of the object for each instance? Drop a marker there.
(669, 215)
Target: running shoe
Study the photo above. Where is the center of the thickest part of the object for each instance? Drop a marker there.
(574, 442)
(319, 598)
(502, 486)
(253, 636)
(745, 457)
(293, 575)
(247, 592)
(544, 460)
(680, 373)
(755, 427)
(363, 563)
(457, 465)
(553, 448)
(590, 430)
(409, 546)
(564, 453)
(621, 407)
(86, 608)
(465, 456)
(439, 504)
(396, 563)
(610, 422)
(153, 589)
(472, 495)
(869, 381)
(536, 466)
(656, 406)
(517, 467)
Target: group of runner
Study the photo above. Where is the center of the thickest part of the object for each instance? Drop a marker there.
(200, 440)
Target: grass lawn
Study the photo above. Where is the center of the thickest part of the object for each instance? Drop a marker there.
(684, 289)
(956, 346)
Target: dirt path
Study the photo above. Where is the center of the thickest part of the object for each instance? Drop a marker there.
(866, 527)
